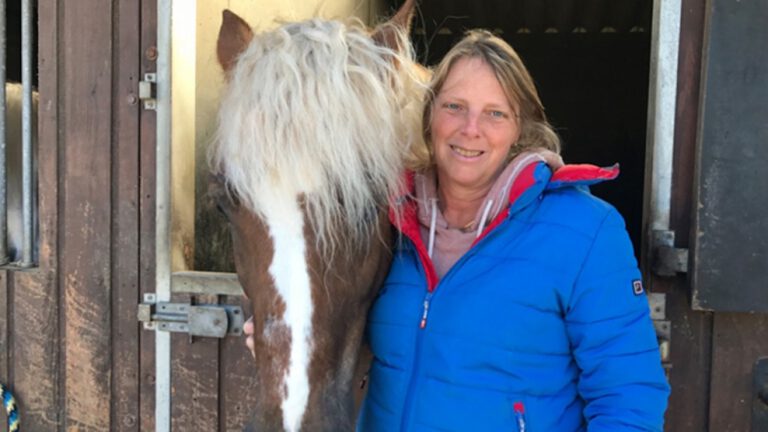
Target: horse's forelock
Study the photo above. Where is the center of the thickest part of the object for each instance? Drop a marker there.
(317, 109)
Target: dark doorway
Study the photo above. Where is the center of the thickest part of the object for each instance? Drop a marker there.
(13, 41)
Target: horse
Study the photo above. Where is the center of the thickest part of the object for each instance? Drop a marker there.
(313, 125)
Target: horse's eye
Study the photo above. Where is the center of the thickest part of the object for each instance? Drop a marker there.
(221, 209)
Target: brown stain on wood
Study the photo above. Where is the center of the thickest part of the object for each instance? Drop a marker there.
(85, 211)
(33, 316)
(124, 403)
(194, 366)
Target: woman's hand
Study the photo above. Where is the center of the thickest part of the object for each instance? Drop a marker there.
(248, 330)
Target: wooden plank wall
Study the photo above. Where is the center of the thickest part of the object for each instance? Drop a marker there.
(33, 296)
(691, 342)
(126, 224)
(712, 354)
(69, 339)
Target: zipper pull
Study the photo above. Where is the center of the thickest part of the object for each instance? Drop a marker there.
(520, 416)
(426, 310)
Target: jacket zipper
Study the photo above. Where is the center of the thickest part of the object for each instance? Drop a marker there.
(519, 409)
(416, 365)
(425, 312)
(428, 298)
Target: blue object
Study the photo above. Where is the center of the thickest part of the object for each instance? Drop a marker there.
(537, 327)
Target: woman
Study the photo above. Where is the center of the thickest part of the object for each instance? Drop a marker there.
(514, 301)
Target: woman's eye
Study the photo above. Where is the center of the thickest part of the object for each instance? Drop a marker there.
(452, 106)
(497, 114)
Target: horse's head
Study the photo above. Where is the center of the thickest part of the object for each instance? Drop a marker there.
(313, 125)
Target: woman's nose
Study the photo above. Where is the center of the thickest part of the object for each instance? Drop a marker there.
(471, 125)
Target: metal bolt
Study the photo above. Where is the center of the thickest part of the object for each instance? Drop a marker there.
(131, 99)
(151, 53)
(129, 420)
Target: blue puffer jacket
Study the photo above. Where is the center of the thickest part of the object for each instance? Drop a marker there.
(542, 326)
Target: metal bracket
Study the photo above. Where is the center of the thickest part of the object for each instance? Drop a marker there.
(668, 260)
(147, 91)
(206, 320)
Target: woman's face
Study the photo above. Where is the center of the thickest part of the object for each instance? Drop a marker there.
(473, 127)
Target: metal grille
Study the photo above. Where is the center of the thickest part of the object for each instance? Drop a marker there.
(18, 209)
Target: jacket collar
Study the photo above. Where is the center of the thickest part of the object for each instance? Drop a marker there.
(531, 183)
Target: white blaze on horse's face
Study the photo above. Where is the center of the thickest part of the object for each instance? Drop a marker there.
(291, 277)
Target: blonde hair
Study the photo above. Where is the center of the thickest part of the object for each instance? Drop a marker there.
(536, 132)
(316, 110)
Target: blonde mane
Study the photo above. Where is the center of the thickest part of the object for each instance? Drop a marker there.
(317, 111)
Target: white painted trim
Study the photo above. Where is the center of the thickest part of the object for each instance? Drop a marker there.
(662, 98)
(163, 214)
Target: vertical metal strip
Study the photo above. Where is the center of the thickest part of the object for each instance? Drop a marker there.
(26, 130)
(163, 214)
(662, 98)
(3, 181)
(665, 42)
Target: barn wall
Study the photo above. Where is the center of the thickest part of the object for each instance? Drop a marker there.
(68, 332)
(712, 353)
(32, 356)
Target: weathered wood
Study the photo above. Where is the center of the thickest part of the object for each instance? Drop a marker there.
(125, 235)
(147, 218)
(237, 377)
(738, 341)
(34, 313)
(687, 114)
(691, 342)
(4, 330)
(730, 249)
(195, 379)
(85, 212)
(690, 356)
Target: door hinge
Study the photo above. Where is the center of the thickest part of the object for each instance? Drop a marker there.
(147, 91)
(667, 259)
(206, 320)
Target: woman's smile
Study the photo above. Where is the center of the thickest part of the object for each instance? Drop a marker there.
(466, 153)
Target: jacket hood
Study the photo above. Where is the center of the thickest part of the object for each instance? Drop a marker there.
(533, 180)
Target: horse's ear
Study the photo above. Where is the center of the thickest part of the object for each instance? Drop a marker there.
(386, 33)
(234, 36)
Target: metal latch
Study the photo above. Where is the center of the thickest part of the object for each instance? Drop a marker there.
(668, 260)
(147, 91)
(206, 320)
